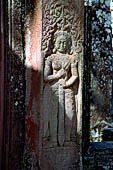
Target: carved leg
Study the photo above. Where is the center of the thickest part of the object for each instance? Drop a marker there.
(46, 117)
(61, 135)
(54, 119)
(70, 115)
(74, 127)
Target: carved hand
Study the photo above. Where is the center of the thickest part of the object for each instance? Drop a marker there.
(62, 82)
(61, 73)
(66, 66)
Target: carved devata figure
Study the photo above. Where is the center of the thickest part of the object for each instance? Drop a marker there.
(59, 107)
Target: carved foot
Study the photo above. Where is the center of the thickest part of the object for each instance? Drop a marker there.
(69, 144)
(73, 138)
(47, 143)
(54, 144)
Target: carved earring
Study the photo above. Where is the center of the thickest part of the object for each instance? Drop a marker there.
(71, 51)
(54, 50)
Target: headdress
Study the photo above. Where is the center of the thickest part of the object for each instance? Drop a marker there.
(68, 37)
(62, 33)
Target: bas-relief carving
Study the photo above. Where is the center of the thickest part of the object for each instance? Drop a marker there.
(61, 80)
(58, 15)
(62, 37)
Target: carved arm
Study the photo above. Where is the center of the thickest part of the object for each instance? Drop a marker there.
(74, 76)
(48, 76)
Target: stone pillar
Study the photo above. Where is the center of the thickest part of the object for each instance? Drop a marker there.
(12, 84)
(1, 82)
(54, 78)
(34, 68)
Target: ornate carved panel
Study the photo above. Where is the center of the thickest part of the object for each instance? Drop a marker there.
(54, 71)
(61, 112)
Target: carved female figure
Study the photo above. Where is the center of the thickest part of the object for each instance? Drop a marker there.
(60, 77)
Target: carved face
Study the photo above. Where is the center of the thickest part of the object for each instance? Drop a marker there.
(61, 44)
